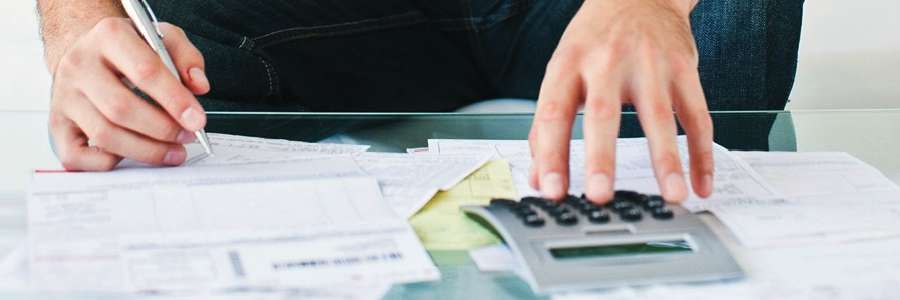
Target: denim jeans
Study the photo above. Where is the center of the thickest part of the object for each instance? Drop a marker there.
(439, 55)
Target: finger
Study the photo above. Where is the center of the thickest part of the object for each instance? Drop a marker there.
(121, 106)
(556, 109)
(186, 57)
(693, 114)
(122, 142)
(129, 54)
(601, 129)
(532, 169)
(73, 150)
(654, 109)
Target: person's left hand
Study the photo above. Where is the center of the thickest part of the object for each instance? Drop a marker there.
(614, 52)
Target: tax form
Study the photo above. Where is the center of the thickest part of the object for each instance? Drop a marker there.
(831, 198)
(735, 182)
(216, 227)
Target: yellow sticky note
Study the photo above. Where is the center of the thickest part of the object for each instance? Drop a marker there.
(442, 226)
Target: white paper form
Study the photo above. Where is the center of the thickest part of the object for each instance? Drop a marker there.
(232, 149)
(236, 149)
(735, 182)
(409, 181)
(833, 197)
(802, 174)
(76, 219)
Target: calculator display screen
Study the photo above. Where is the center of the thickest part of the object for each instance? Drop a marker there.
(589, 251)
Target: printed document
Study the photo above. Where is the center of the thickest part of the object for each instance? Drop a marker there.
(90, 231)
(831, 198)
(735, 182)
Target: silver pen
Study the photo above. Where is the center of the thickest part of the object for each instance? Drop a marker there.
(148, 25)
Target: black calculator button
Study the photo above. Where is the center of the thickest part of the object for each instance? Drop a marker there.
(585, 207)
(567, 218)
(523, 210)
(558, 211)
(631, 215)
(531, 200)
(572, 200)
(653, 204)
(630, 196)
(662, 213)
(598, 216)
(620, 206)
(504, 202)
(656, 198)
(533, 220)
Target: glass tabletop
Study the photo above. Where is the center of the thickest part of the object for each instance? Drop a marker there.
(871, 135)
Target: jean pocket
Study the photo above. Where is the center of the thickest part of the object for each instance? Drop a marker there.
(342, 29)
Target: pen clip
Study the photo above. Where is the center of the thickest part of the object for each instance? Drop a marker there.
(152, 17)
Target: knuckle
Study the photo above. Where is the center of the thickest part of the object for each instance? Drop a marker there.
(700, 124)
(103, 135)
(111, 26)
(553, 110)
(117, 110)
(565, 59)
(657, 110)
(601, 111)
(147, 69)
(170, 132)
(71, 62)
(682, 65)
(667, 160)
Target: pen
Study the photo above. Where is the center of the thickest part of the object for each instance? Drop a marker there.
(147, 24)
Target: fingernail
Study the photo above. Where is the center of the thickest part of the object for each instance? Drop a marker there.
(191, 118)
(552, 185)
(675, 187)
(185, 137)
(198, 76)
(174, 157)
(599, 184)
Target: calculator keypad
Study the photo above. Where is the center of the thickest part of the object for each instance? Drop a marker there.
(629, 206)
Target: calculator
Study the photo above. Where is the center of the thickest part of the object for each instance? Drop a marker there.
(635, 239)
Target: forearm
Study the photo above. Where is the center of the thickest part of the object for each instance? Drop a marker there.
(63, 21)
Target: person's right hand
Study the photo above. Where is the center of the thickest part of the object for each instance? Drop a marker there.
(96, 120)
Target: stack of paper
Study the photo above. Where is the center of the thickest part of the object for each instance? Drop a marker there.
(259, 214)
(281, 219)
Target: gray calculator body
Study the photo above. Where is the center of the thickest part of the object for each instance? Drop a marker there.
(617, 250)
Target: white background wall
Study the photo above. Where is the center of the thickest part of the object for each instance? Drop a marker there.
(850, 56)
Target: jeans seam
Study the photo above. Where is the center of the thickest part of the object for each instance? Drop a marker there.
(298, 33)
(271, 75)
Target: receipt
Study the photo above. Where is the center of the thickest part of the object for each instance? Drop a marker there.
(442, 226)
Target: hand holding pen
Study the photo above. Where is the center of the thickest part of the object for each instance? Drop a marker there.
(95, 118)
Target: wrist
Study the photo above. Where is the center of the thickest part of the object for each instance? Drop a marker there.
(684, 7)
(63, 22)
